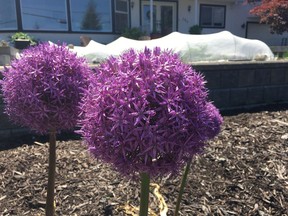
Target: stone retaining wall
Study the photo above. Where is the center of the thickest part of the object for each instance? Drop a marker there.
(237, 85)
(232, 85)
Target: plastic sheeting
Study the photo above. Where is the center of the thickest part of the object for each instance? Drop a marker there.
(222, 46)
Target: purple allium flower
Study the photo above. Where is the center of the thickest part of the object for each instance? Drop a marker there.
(147, 112)
(43, 88)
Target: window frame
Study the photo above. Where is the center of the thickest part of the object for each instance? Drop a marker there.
(93, 31)
(68, 14)
(127, 12)
(213, 7)
(66, 29)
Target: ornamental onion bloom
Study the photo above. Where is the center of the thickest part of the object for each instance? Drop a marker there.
(42, 89)
(147, 112)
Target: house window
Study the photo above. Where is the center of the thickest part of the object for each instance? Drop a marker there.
(91, 15)
(8, 18)
(65, 15)
(212, 16)
(44, 15)
(121, 15)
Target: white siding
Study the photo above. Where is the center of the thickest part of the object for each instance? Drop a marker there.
(262, 32)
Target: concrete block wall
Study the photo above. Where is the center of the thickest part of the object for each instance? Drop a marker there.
(7, 128)
(232, 85)
(236, 85)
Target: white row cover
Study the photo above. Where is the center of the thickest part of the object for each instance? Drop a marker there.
(222, 46)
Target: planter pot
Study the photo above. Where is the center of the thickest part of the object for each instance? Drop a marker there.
(4, 60)
(155, 35)
(8, 51)
(21, 44)
(7, 54)
(5, 50)
(144, 38)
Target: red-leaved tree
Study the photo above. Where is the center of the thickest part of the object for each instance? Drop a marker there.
(273, 13)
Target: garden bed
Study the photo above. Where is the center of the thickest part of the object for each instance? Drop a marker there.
(242, 172)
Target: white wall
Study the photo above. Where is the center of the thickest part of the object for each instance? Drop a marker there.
(262, 32)
(235, 16)
(135, 14)
(186, 18)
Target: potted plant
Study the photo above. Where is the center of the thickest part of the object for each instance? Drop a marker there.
(133, 33)
(195, 29)
(22, 40)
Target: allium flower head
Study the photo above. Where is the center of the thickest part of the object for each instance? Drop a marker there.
(147, 112)
(43, 88)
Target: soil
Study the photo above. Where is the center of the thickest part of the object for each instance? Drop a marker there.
(244, 171)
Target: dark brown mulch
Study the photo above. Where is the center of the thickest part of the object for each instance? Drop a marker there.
(242, 172)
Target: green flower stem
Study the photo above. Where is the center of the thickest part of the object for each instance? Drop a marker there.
(144, 197)
(50, 208)
(182, 186)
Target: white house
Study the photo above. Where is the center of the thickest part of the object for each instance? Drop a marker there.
(104, 20)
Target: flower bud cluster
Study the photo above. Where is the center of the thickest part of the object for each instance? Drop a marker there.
(42, 89)
(147, 112)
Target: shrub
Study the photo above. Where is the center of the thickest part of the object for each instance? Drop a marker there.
(133, 33)
(195, 29)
